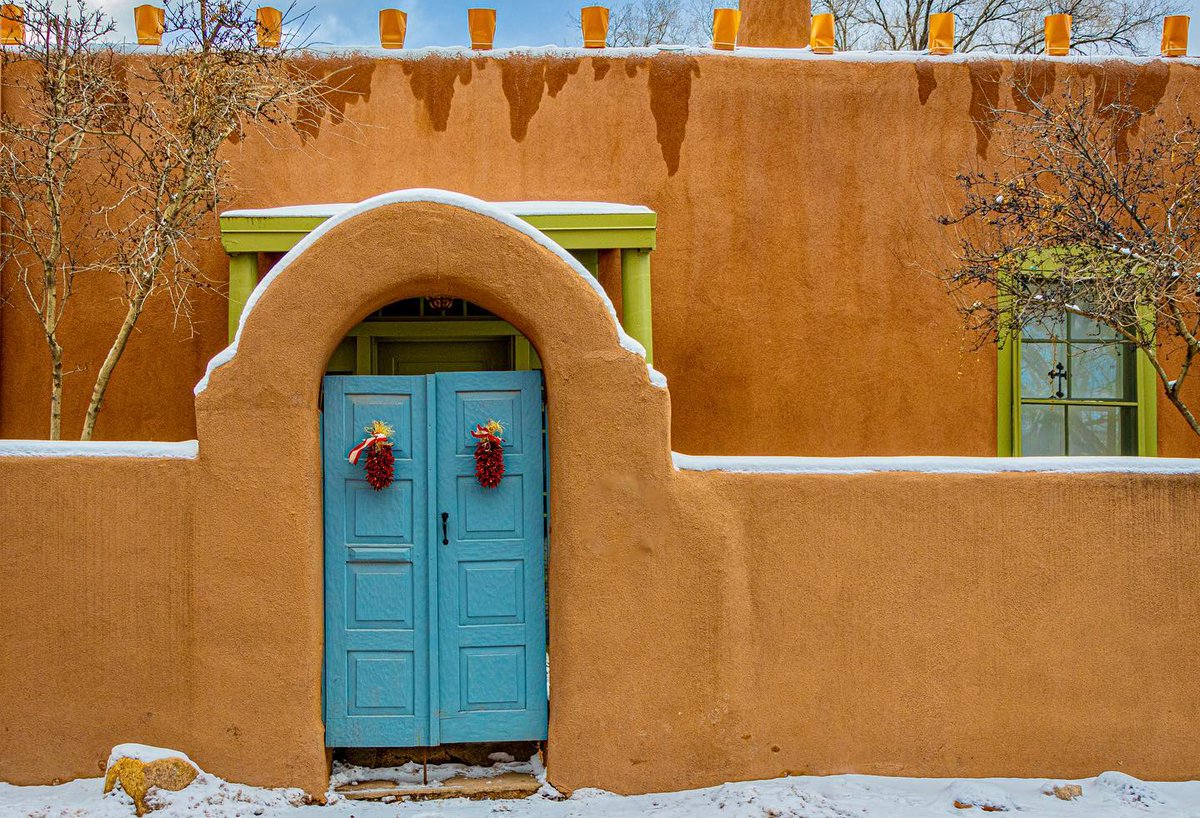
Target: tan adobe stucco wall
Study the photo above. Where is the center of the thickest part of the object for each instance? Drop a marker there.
(703, 627)
(792, 310)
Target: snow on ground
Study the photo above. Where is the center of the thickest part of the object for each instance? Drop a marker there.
(1110, 795)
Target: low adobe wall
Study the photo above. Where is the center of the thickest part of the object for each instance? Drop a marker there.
(703, 626)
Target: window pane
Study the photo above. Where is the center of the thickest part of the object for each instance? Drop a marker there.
(1042, 429)
(1100, 430)
(1048, 327)
(1085, 329)
(1036, 362)
(1100, 372)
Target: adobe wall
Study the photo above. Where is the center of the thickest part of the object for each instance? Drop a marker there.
(704, 627)
(795, 198)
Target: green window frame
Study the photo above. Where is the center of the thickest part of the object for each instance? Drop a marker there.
(1068, 344)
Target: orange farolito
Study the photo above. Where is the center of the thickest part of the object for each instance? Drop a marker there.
(12, 24)
(821, 38)
(148, 20)
(941, 33)
(393, 25)
(725, 28)
(594, 20)
(1175, 35)
(1058, 35)
(482, 25)
(270, 27)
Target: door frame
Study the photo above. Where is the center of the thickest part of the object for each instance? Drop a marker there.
(433, 554)
(367, 335)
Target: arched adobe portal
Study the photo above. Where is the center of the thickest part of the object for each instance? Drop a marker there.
(260, 587)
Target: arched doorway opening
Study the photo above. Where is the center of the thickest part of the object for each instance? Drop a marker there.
(435, 585)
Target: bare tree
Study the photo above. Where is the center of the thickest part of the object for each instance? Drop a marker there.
(1095, 212)
(113, 163)
(642, 23)
(1107, 26)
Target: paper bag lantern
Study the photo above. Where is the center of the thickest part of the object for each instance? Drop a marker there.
(393, 25)
(12, 24)
(725, 28)
(482, 24)
(148, 20)
(270, 27)
(1175, 36)
(941, 33)
(595, 26)
(1058, 35)
(821, 38)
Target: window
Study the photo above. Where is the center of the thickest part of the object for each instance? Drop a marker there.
(1071, 386)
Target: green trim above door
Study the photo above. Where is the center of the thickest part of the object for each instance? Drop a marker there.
(584, 229)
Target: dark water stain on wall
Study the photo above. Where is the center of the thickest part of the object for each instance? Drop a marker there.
(600, 67)
(1126, 85)
(985, 100)
(558, 71)
(670, 95)
(1032, 82)
(524, 80)
(345, 81)
(432, 81)
(632, 64)
(926, 81)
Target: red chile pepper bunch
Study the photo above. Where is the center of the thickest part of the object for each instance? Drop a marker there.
(489, 454)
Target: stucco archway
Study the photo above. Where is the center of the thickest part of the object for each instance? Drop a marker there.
(258, 428)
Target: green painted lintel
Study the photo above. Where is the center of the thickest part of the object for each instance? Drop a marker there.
(594, 231)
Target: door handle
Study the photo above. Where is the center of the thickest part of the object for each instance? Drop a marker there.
(445, 538)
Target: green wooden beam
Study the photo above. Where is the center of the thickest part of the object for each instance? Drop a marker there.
(636, 311)
(633, 233)
(585, 231)
(243, 277)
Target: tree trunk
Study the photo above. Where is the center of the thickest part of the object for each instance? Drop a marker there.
(56, 388)
(110, 362)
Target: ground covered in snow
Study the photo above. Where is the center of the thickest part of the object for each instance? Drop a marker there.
(1110, 795)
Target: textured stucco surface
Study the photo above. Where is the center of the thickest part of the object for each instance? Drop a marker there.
(793, 312)
(704, 626)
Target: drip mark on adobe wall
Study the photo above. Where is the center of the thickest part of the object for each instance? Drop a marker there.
(346, 81)
(985, 99)
(1032, 82)
(600, 67)
(524, 80)
(670, 82)
(432, 81)
(926, 81)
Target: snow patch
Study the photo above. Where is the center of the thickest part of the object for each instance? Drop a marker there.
(527, 208)
(935, 464)
(181, 450)
(145, 754)
(1128, 789)
(835, 796)
(981, 794)
(440, 197)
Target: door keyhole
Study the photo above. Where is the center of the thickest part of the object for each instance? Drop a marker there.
(445, 537)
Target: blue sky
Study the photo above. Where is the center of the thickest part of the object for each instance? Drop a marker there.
(444, 22)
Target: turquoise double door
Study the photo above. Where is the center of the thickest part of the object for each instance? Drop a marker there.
(435, 611)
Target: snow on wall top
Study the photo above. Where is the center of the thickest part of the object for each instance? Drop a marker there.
(440, 197)
(935, 464)
(174, 450)
(742, 52)
(549, 208)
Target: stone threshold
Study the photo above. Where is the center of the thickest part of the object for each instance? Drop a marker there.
(504, 785)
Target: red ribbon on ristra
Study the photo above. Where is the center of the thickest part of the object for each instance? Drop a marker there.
(357, 451)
